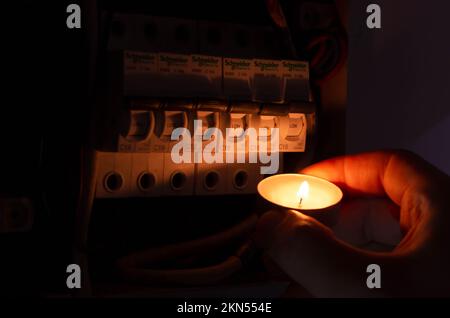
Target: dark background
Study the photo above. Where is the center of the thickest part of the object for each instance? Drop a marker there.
(399, 79)
(44, 69)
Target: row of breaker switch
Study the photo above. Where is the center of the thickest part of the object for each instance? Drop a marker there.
(150, 131)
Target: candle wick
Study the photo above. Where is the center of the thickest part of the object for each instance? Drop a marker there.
(300, 201)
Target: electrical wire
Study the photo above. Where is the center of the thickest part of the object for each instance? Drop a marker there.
(317, 42)
(276, 13)
(328, 53)
(137, 266)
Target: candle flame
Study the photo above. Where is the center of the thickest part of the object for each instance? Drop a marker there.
(303, 191)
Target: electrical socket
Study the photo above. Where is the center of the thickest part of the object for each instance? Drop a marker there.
(147, 174)
(211, 37)
(239, 41)
(210, 179)
(149, 33)
(113, 175)
(242, 178)
(178, 177)
(179, 35)
(122, 33)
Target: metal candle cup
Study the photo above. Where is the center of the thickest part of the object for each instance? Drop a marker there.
(313, 196)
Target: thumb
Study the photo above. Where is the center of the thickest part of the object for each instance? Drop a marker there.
(309, 253)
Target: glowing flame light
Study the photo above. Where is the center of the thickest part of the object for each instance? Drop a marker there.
(303, 191)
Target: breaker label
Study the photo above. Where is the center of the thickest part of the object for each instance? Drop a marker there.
(268, 84)
(206, 65)
(296, 77)
(295, 135)
(237, 75)
(240, 69)
(295, 69)
(139, 62)
(267, 67)
(174, 63)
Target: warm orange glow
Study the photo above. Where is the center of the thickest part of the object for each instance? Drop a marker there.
(303, 191)
(299, 191)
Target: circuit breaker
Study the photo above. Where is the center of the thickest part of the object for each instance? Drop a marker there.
(168, 74)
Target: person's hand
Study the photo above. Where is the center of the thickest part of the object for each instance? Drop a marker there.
(314, 257)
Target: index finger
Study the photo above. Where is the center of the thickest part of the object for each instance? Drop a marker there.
(390, 173)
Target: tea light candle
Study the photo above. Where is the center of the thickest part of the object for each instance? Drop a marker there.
(307, 194)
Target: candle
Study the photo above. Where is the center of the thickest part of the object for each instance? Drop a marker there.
(308, 194)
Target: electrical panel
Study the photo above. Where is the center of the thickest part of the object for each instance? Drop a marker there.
(166, 74)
